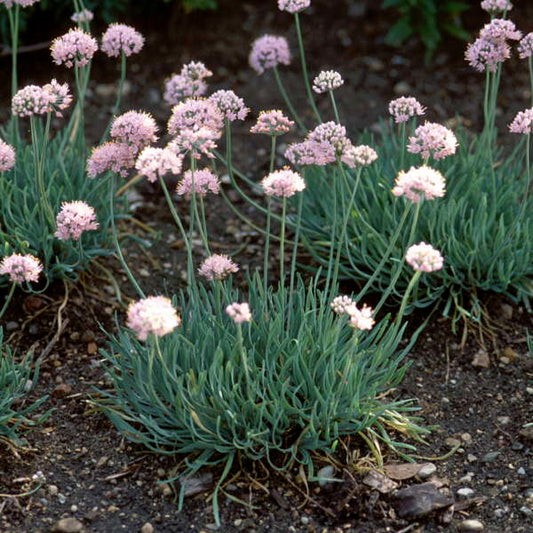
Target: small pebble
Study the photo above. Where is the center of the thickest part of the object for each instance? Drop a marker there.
(427, 470)
(471, 525)
(521, 471)
(52, 490)
(490, 457)
(525, 510)
(147, 528)
(465, 492)
(304, 520)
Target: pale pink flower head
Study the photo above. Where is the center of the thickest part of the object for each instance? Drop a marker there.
(420, 182)
(360, 318)
(21, 268)
(525, 46)
(293, 6)
(179, 87)
(284, 183)
(230, 105)
(61, 97)
(196, 113)
(73, 219)
(113, 156)
(195, 70)
(333, 134)
(31, 100)
(522, 122)
(341, 304)
(137, 129)
(359, 156)
(204, 182)
(405, 107)
(121, 39)
(195, 142)
(272, 122)
(7, 156)
(269, 51)
(327, 80)
(154, 314)
(217, 267)
(424, 258)
(433, 140)
(496, 6)
(82, 16)
(486, 55)
(22, 3)
(155, 163)
(500, 30)
(75, 48)
(310, 153)
(239, 312)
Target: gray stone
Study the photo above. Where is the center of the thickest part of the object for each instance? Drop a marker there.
(427, 470)
(325, 474)
(419, 500)
(471, 525)
(465, 492)
(68, 525)
(521, 471)
(525, 510)
(491, 457)
(11, 325)
(147, 528)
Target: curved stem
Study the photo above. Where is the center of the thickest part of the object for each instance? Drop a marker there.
(334, 105)
(8, 299)
(287, 101)
(405, 298)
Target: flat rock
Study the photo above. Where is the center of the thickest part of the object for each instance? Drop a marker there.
(380, 482)
(471, 525)
(401, 471)
(419, 500)
(428, 469)
(481, 359)
(195, 485)
(67, 525)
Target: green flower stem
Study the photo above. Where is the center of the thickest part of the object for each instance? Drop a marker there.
(405, 298)
(267, 245)
(244, 360)
(332, 239)
(294, 255)
(530, 65)
(194, 214)
(282, 243)
(203, 225)
(159, 354)
(310, 95)
(334, 106)
(14, 19)
(403, 143)
(272, 152)
(116, 108)
(8, 299)
(287, 101)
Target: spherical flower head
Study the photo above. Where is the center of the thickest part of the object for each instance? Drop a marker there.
(204, 182)
(82, 16)
(361, 318)
(327, 80)
(179, 87)
(405, 107)
(239, 312)
(61, 97)
(500, 30)
(194, 114)
(134, 128)
(293, 6)
(154, 314)
(284, 183)
(341, 304)
(333, 134)
(433, 140)
(155, 163)
(230, 105)
(73, 219)
(272, 122)
(269, 51)
(116, 157)
(21, 268)
(486, 55)
(195, 70)
(424, 258)
(195, 142)
(522, 122)
(310, 153)
(32, 100)
(420, 182)
(496, 6)
(359, 156)
(75, 48)
(525, 46)
(121, 39)
(22, 3)
(7, 156)
(217, 267)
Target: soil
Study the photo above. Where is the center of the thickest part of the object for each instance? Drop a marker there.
(107, 484)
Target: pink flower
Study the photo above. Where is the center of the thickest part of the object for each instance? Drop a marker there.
(272, 123)
(269, 51)
(178, 87)
(310, 153)
(486, 55)
(284, 183)
(522, 122)
(75, 48)
(22, 3)
(194, 114)
(31, 100)
(204, 181)
(434, 140)
(61, 97)
(154, 314)
(154, 163)
(525, 47)
(198, 142)
(341, 304)
(21, 268)
(7, 156)
(496, 6)
(424, 258)
(239, 312)
(73, 219)
(417, 182)
(230, 105)
(117, 157)
(293, 6)
(82, 16)
(121, 39)
(195, 70)
(500, 30)
(217, 267)
(403, 108)
(359, 156)
(360, 318)
(134, 128)
(333, 134)
(327, 80)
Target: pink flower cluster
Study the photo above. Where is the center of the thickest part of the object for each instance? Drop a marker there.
(22, 3)
(341, 304)
(189, 82)
(269, 51)
(82, 16)
(73, 219)
(433, 140)
(197, 142)
(522, 122)
(359, 318)
(525, 46)
(153, 315)
(204, 182)
(293, 6)
(424, 258)
(134, 128)
(310, 153)
(405, 107)
(239, 312)
(230, 105)
(358, 156)
(327, 80)
(121, 39)
(283, 183)
(75, 48)
(420, 182)
(61, 97)
(31, 100)
(500, 30)
(332, 134)
(154, 163)
(7, 156)
(217, 267)
(113, 156)
(496, 6)
(272, 122)
(21, 268)
(194, 114)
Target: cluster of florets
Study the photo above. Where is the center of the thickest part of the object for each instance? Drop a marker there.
(310, 153)
(195, 142)
(111, 156)
(496, 6)
(82, 16)
(217, 267)
(333, 134)
(61, 97)
(327, 80)
(199, 181)
(194, 114)
(404, 108)
(121, 39)
(189, 82)
(283, 183)
(153, 315)
(359, 156)
(230, 105)
(522, 122)
(433, 140)
(7, 156)
(424, 258)
(21, 268)
(293, 6)
(420, 182)
(525, 46)
(73, 219)
(269, 51)
(22, 3)
(31, 100)
(239, 312)
(134, 128)
(272, 122)
(341, 304)
(155, 163)
(359, 318)
(75, 48)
